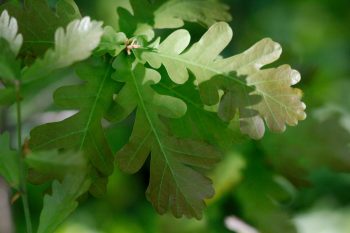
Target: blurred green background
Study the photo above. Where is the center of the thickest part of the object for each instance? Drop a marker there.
(298, 181)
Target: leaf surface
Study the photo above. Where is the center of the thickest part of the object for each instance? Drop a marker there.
(280, 104)
(38, 23)
(9, 164)
(74, 44)
(82, 131)
(176, 182)
(62, 202)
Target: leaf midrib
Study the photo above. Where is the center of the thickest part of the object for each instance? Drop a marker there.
(156, 135)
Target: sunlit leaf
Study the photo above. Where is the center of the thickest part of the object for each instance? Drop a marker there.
(280, 104)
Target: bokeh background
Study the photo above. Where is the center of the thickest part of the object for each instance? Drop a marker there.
(298, 181)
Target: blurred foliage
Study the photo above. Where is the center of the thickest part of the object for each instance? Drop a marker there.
(300, 177)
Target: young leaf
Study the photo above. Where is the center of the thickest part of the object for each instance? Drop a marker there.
(280, 103)
(37, 22)
(82, 131)
(62, 202)
(112, 42)
(74, 44)
(8, 31)
(175, 180)
(9, 164)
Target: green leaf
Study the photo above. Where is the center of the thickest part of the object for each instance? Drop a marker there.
(280, 103)
(173, 13)
(62, 202)
(176, 182)
(263, 209)
(198, 122)
(38, 23)
(9, 164)
(112, 42)
(10, 68)
(82, 131)
(74, 44)
(169, 14)
(54, 165)
(8, 31)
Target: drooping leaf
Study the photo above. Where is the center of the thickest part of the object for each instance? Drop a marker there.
(176, 182)
(8, 31)
(74, 44)
(82, 131)
(280, 103)
(9, 164)
(38, 23)
(62, 202)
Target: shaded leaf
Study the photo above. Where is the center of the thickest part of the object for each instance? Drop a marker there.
(176, 182)
(10, 68)
(8, 31)
(62, 202)
(262, 209)
(82, 131)
(169, 14)
(38, 23)
(9, 164)
(74, 44)
(54, 165)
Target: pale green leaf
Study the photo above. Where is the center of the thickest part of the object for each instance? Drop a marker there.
(112, 42)
(9, 164)
(73, 44)
(9, 31)
(280, 104)
(175, 181)
(62, 202)
(172, 14)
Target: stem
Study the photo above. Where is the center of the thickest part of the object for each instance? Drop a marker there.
(22, 175)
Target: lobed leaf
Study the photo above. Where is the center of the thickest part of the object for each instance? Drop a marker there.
(146, 16)
(62, 202)
(280, 103)
(9, 31)
(176, 182)
(38, 23)
(82, 131)
(74, 44)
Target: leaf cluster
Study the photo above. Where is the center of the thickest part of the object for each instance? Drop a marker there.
(188, 104)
